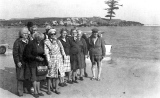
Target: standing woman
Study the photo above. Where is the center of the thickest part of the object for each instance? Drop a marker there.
(97, 51)
(34, 53)
(54, 53)
(18, 49)
(83, 53)
(78, 49)
(66, 45)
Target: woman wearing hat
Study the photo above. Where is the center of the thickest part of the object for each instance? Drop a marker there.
(96, 47)
(54, 53)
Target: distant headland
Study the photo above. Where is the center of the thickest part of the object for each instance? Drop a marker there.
(69, 21)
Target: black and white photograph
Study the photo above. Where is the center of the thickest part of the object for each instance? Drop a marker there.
(79, 49)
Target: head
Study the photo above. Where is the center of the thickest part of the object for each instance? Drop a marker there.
(34, 29)
(38, 36)
(73, 32)
(52, 34)
(79, 34)
(29, 26)
(95, 32)
(23, 33)
(63, 32)
(48, 27)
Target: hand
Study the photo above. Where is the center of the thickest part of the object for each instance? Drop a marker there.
(86, 56)
(49, 65)
(103, 57)
(39, 58)
(19, 64)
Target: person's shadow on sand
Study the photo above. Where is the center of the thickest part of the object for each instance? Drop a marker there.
(8, 79)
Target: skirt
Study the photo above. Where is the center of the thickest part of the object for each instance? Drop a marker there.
(34, 76)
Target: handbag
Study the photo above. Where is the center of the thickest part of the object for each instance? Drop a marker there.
(42, 70)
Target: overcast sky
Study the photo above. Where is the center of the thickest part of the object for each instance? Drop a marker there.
(144, 11)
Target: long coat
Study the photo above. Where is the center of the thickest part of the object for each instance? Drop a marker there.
(54, 52)
(32, 50)
(18, 49)
(78, 50)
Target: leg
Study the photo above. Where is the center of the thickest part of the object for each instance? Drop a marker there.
(38, 89)
(99, 64)
(20, 87)
(74, 75)
(81, 74)
(55, 83)
(49, 84)
(93, 70)
(85, 72)
(35, 87)
(27, 86)
(69, 78)
(69, 75)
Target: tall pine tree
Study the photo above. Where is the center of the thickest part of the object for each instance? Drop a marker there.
(113, 5)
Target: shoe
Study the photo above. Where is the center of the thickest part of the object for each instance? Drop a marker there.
(49, 93)
(61, 84)
(93, 78)
(76, 78)
(81, 78)
(40, 94)
(20, 95)
(57, 92)
(98, 79)
(64, 84)
(74, 81)
(85, 74)
(36, 95)
(70, 82)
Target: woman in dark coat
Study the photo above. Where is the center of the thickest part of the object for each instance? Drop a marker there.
(78, 51)
(96, 47)
(18, 48)
(66, 45)
(34, 53)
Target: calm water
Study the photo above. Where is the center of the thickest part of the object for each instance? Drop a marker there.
(127, 42)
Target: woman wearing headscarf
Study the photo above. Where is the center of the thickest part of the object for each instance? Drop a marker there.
(54, 53)
(34, 54)
(96, 47)
(78, 50)
(66, 45)
(18, 48)
(82, 54)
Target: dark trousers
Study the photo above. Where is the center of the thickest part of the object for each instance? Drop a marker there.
(20, 87)
(27, 86)
(23, 86)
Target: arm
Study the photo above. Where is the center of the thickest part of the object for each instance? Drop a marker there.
(103, 47)
(61, 48)
(46, 51)
(85, 47)
(15, 52)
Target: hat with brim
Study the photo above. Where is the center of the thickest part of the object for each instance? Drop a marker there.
(95, 30)
(52, 31)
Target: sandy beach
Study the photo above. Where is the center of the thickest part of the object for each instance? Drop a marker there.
(123, 78)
